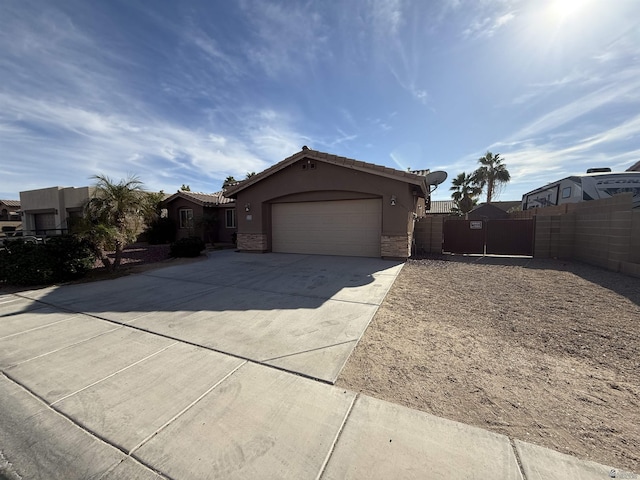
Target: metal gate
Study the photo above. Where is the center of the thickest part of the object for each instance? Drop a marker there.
(463, 236)
(489, 237)
(510, 237)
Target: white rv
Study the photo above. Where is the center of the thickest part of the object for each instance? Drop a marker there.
(597, 183)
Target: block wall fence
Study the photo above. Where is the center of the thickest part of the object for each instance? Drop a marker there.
(605, 233)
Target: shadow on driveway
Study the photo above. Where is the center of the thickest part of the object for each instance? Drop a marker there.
(303, 313)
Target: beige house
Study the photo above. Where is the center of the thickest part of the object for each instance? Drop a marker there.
(47, 211)
(318, 203)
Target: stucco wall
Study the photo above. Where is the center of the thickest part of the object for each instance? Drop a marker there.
(57, 200)
(221, 234)
(325, 182)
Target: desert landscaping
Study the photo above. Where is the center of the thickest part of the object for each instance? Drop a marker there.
(544, 351)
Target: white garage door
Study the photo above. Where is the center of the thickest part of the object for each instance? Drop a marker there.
(345, 227)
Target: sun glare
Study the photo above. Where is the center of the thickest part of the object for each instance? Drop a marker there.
(562, 10)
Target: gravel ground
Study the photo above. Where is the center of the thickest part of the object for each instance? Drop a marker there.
(542, 351)
(140, 253)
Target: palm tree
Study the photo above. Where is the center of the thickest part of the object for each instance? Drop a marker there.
(465, 192)
(493, 173)
(228, 181)
(114, 216)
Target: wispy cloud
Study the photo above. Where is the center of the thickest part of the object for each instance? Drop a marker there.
(487, 27)
(288, 37)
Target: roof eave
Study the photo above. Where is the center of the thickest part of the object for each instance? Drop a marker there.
(322, 157)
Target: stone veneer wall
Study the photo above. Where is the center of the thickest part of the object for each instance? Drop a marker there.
(395, 246)
(252, 242)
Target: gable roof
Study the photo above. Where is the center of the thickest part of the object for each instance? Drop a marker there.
(634, 168)
(203, 199)
(11, 203)
(412, 178)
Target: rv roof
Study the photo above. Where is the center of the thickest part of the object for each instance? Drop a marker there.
(576, 178)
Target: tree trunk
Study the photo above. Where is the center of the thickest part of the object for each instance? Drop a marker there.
(489, 191)
(118, 255)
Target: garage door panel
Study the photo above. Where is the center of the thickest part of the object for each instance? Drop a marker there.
(349, 227)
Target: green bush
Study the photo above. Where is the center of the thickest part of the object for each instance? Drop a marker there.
(187, 247)
(162, 230)
(59, 260)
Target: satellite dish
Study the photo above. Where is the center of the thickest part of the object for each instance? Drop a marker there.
(436, 178)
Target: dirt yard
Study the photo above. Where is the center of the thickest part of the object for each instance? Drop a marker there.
(543, 351)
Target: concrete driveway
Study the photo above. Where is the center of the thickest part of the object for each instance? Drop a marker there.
(300, 313)
(171, 374)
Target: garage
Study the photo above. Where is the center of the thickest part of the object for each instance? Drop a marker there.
(319, 203)
(45, 222)
(347, 227)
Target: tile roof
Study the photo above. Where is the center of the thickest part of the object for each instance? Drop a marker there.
(634, 168)
(11, 203)
(204, 199)
(336, 160)
(441, 206)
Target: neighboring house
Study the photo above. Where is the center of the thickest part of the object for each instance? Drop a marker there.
(634, 168)
(493, 210)
(318, 203)
(441, 207)
(10, 219)
(49, 211)
(210, 216)
(10, 210)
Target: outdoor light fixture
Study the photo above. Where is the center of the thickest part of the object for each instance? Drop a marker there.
(247, 207)
(393, 200)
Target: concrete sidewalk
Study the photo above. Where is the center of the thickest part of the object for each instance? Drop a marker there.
(87, 398)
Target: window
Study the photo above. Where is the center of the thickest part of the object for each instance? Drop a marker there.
(186, 218)
(566, 192)
(230, 218)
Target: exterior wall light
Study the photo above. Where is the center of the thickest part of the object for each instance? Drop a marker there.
(247, 207)
(393, 200)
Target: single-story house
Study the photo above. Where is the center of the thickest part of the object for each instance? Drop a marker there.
(317, 203)
(210, 216)
(493, 210)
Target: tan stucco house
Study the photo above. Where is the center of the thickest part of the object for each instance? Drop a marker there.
(47, 211)
(317, 203)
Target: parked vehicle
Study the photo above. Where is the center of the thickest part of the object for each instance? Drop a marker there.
(25, 239)
(596, 184)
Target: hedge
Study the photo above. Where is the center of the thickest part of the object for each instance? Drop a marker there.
(60, 259)
(187, 247)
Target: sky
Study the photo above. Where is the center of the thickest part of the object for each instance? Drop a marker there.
(190, 92)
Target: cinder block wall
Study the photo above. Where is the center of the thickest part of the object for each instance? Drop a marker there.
(634, 247)
(605, 233)
(427, 235)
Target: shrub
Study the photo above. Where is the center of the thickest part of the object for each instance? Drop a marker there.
(161, 230)
(72, 257)
(60, 259)
(187, 247)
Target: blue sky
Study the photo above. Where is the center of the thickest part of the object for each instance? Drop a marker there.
(192, 91)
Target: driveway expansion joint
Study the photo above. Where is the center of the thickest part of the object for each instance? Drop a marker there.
(184, 410)
(336, 439)
(512, 443)
(114, 373)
